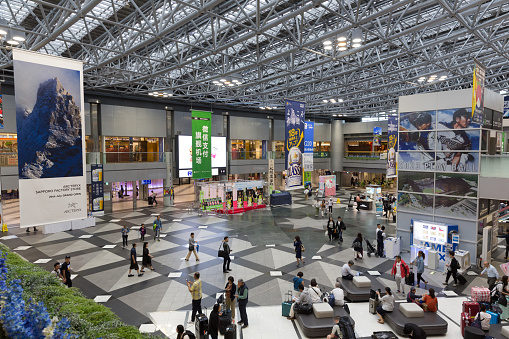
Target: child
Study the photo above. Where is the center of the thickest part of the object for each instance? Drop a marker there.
(336, 332)
(143, 231)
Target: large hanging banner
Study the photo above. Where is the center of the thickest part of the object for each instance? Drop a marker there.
(202, 161)
(1, 109)
(478, 93)
(97, 195)
(51, 156)
(294, 143)
(271, 174)
(309, 134)
(377, 135)
(506, 107)
(392, 146)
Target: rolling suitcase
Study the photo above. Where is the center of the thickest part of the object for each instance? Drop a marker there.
(465, 321)
(286, 305)
(384, 335)
(201, 325)
(373, 304)
(410, 278)
(150, 200)
(495, 317)
(461, 279)
(231, 332)
(225, 319)
(471, 308)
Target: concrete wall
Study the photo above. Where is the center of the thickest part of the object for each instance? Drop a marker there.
(249, 128)
(363, 127)
(132, 121)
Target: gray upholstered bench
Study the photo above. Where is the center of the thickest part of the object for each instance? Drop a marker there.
(312, 327)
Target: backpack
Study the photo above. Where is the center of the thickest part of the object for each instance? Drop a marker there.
(189, 334)
(332, 299)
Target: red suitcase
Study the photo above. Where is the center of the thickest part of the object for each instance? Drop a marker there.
(465, 321)
(471, 307)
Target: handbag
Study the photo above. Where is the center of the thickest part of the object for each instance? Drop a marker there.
(477, 322)
(502, 300)
(302, 248)
(303, 308)
(221, 253)
(191, 248)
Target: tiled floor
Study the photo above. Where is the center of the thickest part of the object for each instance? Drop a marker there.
(262, 243)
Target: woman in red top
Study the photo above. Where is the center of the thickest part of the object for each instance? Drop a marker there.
(429, 302)
(399, 271)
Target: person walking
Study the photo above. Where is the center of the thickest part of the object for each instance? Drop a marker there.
(399, 271)
(143, 231)
(452, 269)
(419, 262)
(147, 258)
(213, 328)
(182, 333)
(331, 202)
(226, 258)
(66, 271)
(134, 263)
(352, 182)
(380, 236)
(157, 228)
(340, 226)
(323, 207)
(506, 237)
(125, 232)
(358, 201)
(57, 272)
(298, 247)
(192, 248)
(317, 208)
(28, 229)
(357, 247)
(242, 300)
(229, 295)
(492, 274)
(331, 227)
(196, 293)
(154, 195)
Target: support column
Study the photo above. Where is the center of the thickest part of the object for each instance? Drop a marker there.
(337, 145)
(168, 190)
(135, 198)
(226, 133)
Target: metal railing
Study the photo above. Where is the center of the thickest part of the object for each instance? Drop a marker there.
(124, 157)
(495, 166)
(363, 155)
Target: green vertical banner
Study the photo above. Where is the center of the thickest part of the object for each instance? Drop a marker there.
(201, 127)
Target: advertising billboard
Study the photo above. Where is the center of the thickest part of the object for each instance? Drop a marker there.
(185, 155)
(294, 143)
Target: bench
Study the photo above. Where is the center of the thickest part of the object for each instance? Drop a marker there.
(312, 327)
(354, 293)
(431, 322)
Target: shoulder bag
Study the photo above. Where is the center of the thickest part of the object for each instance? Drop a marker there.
(303, 308)
(221, 253)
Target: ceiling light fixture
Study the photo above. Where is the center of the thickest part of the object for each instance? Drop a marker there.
(503, 92)
(325, 100)
(333, 101)
(10, 38)
(327, 42)
(342, 37)
(357, 35)
(334, 115)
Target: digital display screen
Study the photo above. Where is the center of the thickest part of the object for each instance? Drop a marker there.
(185, 156)
(430, 232)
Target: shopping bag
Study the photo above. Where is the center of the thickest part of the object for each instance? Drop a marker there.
(197, 248)
(505, 268)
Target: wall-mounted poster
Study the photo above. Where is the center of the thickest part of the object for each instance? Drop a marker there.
(51, 157)
(506, 106)
(417, 141)
(201, 144)
(413, 202)
(377, 135)
(419, 182)
(416, 161)
(453, 207)
(459, 118)
(457, 162)
(417, 121)
(294, 142)
(97, 196)
(478, 92)
(456, 184)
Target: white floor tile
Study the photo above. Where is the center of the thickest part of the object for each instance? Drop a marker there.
(276, 273)
(139, 258)
(148, 328)
(73, 276)
(203, 227)
(109, 246)
(22, 248)
(102, 298)
(115, 220)
(316, 257)
(374, 273)
(471, 273)
(176, 220)
(163, 235)
(42, 261)
(135, 228)
(175, 275)
(155, 214)
(450, 293)
(86, 236)
(8, 237)
(270, 245)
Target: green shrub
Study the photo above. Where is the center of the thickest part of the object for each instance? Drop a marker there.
(87, 318)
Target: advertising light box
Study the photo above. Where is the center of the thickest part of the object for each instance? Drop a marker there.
(185, 154)
(430, 232)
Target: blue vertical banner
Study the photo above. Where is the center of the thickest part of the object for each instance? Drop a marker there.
(97, 196)
(506, 106)
(392, 146)
(377, 134)
(294, 142)
(309, 134)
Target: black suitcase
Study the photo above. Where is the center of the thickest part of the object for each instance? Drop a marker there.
(346, 328)
(150, 200)
(201, 325)
(225, 319)
(384, 335)
(231, 332)
(410, 279)
(461, 279)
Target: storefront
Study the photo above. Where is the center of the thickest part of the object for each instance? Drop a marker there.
(132, 149)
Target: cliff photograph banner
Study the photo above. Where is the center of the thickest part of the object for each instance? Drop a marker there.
(51, 147)
(294, 142)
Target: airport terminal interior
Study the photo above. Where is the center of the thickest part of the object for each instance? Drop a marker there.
(343, 163)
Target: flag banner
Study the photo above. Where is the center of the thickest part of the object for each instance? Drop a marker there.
(392, 146)
(51, 146)
(478, 93)
(202, 161)
(294, 143)
(377, 135)
(1, 109)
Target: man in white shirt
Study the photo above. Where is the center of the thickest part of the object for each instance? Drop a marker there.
(330, 205)
(339, 295)
(346, 271)
(314, 292)
(484, 317)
